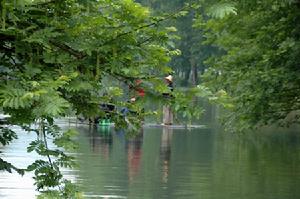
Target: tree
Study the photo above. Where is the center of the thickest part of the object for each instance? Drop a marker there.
(54, 57)
(190, 62)
(259, 67)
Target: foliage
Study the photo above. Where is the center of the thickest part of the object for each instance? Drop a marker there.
(259, 65)
(220, 10)
(4, 165)
(190, 61)
(7, 135)
(47, 171)
(55, 58)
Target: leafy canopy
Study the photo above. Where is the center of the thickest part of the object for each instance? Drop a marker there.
(58, 57)
(259, 64)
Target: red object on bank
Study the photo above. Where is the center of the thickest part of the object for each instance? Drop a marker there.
(140, 90)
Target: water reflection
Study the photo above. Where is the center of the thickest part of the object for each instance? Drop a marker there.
(165, 152)
(134, 155)
(101, 141)
(167, 163)
(176, 163)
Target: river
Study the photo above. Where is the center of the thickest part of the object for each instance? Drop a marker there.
(172, 163)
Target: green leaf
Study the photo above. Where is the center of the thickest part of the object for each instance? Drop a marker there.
(7, 135)
(9, 167)
(220, 10)
(52, 106)
(13, 98)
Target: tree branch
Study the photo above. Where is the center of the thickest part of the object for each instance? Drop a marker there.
(156, 22)
(65, 47)
(5, 37)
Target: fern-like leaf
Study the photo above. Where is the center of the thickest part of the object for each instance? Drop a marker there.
(13, 98)
(9, 167)
(52, 106)
(220, 10)
(76, 85)
(7, 135)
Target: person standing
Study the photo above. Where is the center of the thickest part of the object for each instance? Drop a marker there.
(137, 90)
(136, 93)
(167, 112)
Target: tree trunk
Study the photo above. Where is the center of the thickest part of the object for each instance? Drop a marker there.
(187, 76)
(194, 72)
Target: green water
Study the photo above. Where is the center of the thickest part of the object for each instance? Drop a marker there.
(171, 163)
(200, 163)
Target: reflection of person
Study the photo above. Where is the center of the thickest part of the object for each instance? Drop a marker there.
(167, 112)
(165, 152)
(101, 141)
(134, 155)
(106, 142)
(94, 144)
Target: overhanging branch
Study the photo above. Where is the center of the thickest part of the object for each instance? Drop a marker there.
(65, 47)
(156, 22)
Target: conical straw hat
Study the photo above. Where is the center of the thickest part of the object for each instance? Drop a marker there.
(169, 77)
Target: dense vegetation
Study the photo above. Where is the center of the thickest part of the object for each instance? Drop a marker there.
(63, 57)
(249, 49)
(259, 66)
(68, 57)
(190, 63)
